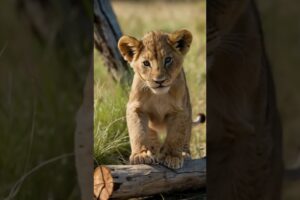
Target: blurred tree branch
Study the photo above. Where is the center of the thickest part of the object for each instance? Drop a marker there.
(106, 35)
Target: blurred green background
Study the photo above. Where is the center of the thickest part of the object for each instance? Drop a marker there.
(42, 75)
(137, 18)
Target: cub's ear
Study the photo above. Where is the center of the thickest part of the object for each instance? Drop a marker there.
(181, 40)
(128, 47)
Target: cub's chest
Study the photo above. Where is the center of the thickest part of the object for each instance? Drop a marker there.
(158, 107)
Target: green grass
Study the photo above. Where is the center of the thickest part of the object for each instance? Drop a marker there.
(136, 19)
(110, 131)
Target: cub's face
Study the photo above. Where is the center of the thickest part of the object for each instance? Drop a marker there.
(157, 59)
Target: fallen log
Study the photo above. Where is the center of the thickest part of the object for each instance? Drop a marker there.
(126, 181)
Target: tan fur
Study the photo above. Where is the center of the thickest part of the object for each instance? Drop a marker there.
(151, 110)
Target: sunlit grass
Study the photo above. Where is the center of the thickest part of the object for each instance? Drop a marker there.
(110, 131)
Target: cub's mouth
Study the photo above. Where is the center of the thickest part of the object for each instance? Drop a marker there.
(161, 86)
(161, 89)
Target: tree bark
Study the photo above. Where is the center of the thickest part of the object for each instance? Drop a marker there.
(106, 34)
(126, 181)
(84, 140)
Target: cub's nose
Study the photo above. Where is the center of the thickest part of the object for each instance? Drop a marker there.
(159, 81)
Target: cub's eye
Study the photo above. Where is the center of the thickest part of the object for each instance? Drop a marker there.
(146, 63)
(168, 61)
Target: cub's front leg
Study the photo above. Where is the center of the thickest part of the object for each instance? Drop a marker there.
(137, 123)
(171, 151)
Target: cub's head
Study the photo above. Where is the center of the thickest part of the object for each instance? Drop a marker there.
(157, 59)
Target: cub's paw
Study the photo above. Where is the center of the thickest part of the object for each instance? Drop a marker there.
(145, 157)
(186, 156)
(171, 161)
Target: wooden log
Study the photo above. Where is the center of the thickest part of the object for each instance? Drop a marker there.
(126, 181)
(103, 183)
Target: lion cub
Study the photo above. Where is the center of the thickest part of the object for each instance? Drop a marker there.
(159, 98)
